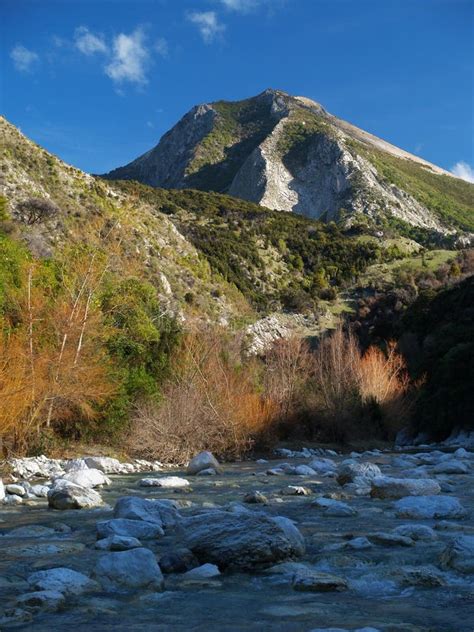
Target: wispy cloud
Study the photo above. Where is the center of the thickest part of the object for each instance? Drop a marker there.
(207, 23)
(161, 47)
(130, 58)
(241, 6)
(464, 171)
(88, 43)
(23, 59)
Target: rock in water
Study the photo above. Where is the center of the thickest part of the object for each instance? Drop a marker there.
(161, 512)
(63, 580)
(421, 507)
(72, 496)
(350, 472)
(86, 478)
(169, 482)
(459, 554)
(387, 487)
(129, 528)
(203, 461)
(313, 581)
(105, 464)
(242, 540)
(132, 569)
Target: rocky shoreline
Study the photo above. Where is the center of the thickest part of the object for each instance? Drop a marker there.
(321, 541)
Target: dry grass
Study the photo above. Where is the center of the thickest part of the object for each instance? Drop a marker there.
(210, 403)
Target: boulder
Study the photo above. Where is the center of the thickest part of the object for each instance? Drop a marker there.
(304, 470)
(323, 466)
(394, 488)
(40, 491)
(168, 482)
(134, 569)
(416, 532)
(203, 461)
(72, 496)
(105, 464)
(129, 528)
(86, 478)
(314, 581)
(422, 507)
(118, 543)
(75, 464)
(243, 540)
(451, 467)
(42, 599)
(15, 489)
(178, 560)
(206, 571)
(390, 539)
(334, 508)
(162, 512)
(423, 576)
(63, 580)
(255, 497)
(2, 490)
(459, 554)
(354, 472)
(12, 499)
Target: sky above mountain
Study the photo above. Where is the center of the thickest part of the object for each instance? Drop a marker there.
(97, 82)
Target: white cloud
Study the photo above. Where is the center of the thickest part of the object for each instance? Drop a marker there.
(23, 59)
(129, 58)
(241, 6)
(88, 43)
(464, 171)
(161, 47)
(207, 23)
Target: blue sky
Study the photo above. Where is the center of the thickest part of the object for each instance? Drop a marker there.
(98, 82)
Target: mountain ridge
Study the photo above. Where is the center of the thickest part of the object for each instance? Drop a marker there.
(288, 153)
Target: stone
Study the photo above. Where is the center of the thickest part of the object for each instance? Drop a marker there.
(296, 490)
(50, 600)
(209, 471)
(15, 489)
(75, 464)
(459, 554)
(162, 512)
(12, 499)
(358, 544)
(421, 507)
(451, 467)
(390, 539)
(334, 508)
(416, 532)
(71, 496)
(86, 478)
(304, 470)
(40, 491)
(203, 461)
(167, 482)
(314, 581)
(255, 497)
(129, 528)
(206, 571)
(118, 543)
(40, 466)
(394, 488)
(105, 464)
(63, 580)
(243, 540)
(423, 576)
(129, 570)
(323, 466)
(178, 560)
(30, 531)
(2, 490)
(350, 472)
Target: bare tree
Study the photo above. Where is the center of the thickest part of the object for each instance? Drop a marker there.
(37, 210)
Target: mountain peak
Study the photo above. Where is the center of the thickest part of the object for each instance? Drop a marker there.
(288, 153)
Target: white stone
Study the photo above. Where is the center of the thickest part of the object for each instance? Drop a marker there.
(429, 507)
(12, 499)
(67, 495)
(18, 490)
(63, 580)
(40, 491)
(105, 464)
(168, 482)
(2, 490)
(86, 478)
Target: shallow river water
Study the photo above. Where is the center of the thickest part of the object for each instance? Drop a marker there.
(258, 601)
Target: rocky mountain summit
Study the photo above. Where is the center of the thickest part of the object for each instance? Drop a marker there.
(288, 153)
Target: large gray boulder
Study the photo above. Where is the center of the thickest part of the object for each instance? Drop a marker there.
(459, 554)
(242, 540)
(387, 487)
(452, 466)
(63, 580)
(105, 464)
(161, 512)
(421, 507)
(129, 528)
(134, 569)
(70, 496)
(203, 461)
(353, 472)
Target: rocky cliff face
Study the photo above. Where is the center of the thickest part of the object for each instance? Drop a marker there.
(287, 153)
